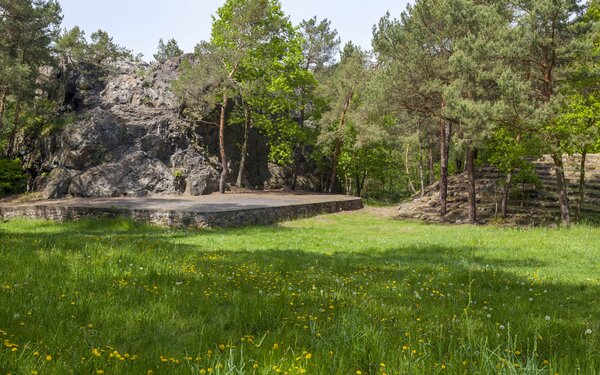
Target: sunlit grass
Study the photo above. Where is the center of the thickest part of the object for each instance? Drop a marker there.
(340, 294)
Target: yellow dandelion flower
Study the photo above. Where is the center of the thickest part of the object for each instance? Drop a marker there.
(358, 372)
(275, 346)
(100, 372)
(48, 358)
(308, 356)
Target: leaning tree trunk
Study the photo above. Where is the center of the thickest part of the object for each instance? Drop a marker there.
(472, 191)
(339, 140)
(581, 185)
(506, 193)
(244, 148)
(562, 188)
(444, 154)
(225, 171)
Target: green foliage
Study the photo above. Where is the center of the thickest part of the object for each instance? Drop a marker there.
(167, 51)
(527, 176)
(255, 57)
(320, 43)
(13, 179)
(80, 54)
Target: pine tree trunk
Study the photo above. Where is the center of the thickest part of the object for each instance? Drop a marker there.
(339, 140)
(2, 109)
(505, 193)
(444, 151)
(431, 165)
(13, 133)
(459, 165)
(581, 185)
(562, 188)
(472, 191)
(421, 171)
(244, 149)
(225, 171)
(408, 178)
(362, 184)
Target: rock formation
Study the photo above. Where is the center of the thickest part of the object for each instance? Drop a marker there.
(130, 140)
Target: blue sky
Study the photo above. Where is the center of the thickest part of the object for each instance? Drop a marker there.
(138, 24)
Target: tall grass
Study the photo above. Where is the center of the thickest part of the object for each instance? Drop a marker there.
(341, 294)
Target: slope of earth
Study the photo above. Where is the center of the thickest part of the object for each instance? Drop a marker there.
(531, 203)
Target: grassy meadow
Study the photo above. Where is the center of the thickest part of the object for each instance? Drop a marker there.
(351, 293)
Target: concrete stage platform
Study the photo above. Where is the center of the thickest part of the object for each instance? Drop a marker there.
(216, 210)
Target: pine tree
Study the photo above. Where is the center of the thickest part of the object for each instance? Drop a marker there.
(167, 51)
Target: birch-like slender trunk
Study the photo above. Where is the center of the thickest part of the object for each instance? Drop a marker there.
(581, 185)
(506, 193)
(561, 183)
(244, 148)
(224, 172)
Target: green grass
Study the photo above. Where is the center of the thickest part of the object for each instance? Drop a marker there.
(329, 295)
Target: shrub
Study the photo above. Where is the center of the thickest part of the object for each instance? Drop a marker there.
(12, 177)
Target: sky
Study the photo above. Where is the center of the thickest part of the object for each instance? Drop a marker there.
(139, 24)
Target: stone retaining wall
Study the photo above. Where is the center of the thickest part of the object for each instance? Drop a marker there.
(178, 218)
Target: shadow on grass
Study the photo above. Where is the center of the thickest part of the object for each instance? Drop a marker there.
(145, 292)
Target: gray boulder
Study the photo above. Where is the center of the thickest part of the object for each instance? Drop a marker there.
(134, 175)
(57, 185)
